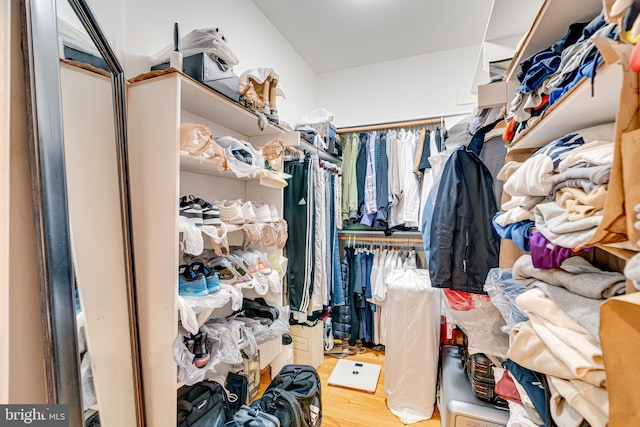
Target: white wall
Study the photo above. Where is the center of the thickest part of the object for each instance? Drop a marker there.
(256, 42)
(110, 15)
(422, 86)
(416, 87)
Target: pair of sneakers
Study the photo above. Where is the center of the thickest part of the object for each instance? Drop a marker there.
(199, 346)
(249, 212)
(198, 211)
(196, 280)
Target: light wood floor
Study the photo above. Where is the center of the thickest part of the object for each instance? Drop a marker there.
(343, 407)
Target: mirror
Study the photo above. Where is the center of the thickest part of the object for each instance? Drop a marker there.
(81, 200)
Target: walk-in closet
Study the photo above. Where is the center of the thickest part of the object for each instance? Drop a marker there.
(338, 213)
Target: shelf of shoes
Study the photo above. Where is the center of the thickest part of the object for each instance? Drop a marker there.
(579, 108)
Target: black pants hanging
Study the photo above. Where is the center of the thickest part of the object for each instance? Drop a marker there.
(295, 213)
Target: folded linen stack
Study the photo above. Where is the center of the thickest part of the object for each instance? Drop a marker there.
(561, 190)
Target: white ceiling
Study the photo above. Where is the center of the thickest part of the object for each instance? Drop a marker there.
(333, 35)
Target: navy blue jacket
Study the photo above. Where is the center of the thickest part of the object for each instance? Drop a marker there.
(463, 243)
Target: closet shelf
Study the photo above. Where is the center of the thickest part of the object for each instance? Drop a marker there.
(305, 146)
(549, 26)
(577, 109)
(203, 101)
(624, 254)
(204, 166)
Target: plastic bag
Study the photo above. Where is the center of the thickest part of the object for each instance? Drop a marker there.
(194, 311)
(206, 40)
(236, 149)
(483, 326)
(503, 290)
(88, 389)
(319, 115)
(187, 371)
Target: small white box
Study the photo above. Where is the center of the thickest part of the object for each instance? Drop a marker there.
(497, 93)
(308, 348)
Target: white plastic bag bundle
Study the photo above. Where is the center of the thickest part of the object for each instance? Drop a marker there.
(319, 115)
(206, 40)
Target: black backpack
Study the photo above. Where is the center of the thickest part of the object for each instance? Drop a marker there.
(252, 417)
(294, 396)
(202, 405)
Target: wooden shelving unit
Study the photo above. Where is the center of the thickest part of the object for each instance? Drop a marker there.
(159, 174)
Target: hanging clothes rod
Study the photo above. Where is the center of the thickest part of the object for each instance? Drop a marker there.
(395, 125)
(381, 239)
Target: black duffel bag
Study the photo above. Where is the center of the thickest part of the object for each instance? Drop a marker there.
(252, 417)
(294, 396)
(202, 405)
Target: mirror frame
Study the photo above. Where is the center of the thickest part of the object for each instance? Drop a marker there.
(49, 191)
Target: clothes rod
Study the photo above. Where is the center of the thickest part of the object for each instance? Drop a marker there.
(381, 239)
(390, 125)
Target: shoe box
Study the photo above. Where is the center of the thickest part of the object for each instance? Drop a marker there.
(205, 70)
(308, 346)
(457, 403)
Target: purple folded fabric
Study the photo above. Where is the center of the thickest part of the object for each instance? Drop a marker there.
(545, 254)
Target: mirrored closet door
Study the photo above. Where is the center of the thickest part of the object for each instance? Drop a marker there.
(79, 175)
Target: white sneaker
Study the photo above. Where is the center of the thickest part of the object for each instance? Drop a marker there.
(231, 211)
(263, 212)
(275, 216)
(248, 212)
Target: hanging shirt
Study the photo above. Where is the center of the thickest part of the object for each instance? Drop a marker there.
(370, 178)
(394, 179)
(410, 199)
(382, 185)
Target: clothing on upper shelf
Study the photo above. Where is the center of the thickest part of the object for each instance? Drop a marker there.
(549, 74)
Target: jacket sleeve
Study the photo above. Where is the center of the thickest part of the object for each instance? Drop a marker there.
(443, 224)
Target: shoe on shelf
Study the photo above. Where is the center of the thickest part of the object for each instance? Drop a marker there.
(190, 210)
(275, 216)
(263, 212)
(211, 277)
(197, 344)
(248, 212)
(191, 284)
(210, 212)
(226, 273)
(231, 211)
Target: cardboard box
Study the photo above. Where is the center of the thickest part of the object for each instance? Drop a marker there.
(497, 93)
(308, 347)
(205, 70)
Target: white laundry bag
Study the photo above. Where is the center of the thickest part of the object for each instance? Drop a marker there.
(413, 337)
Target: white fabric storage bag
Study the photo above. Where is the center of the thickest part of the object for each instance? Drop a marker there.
(412, 340)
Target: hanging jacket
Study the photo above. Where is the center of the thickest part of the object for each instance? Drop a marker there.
(463, 244)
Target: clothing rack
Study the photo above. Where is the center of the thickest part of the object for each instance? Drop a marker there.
(387, 240)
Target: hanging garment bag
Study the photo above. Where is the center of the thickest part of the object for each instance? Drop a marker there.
(412, 341)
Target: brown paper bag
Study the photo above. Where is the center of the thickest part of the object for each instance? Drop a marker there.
(630, 153)
(620, 339)
(614, 222)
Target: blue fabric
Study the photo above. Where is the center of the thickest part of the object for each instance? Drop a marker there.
(427, 214)
(517, 232)
(544, 64)
(338, 292)
(531, 384)
(382, 184)
(584, 71)
(358, 299)
(361, 168)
